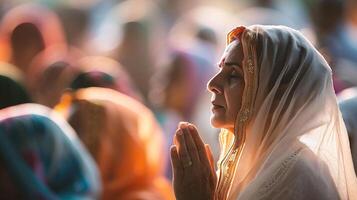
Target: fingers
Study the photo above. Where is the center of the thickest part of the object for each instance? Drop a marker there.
(183, 153)
(201, 149)
(196, 137)
(175, 162)
(190, 144)
(192, 161)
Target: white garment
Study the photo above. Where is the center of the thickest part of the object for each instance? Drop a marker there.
(290, 140)
(295, 178)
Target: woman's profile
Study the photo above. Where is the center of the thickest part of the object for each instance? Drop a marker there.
(282, 134)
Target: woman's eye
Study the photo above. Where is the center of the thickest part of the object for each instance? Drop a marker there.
(234, 75)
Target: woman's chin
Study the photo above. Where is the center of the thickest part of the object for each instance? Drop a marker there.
(220, 122)
(216, 122)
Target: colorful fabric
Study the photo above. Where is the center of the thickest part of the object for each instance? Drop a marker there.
(100, 71)
(125, 140)
(43, 157)
(46, 21)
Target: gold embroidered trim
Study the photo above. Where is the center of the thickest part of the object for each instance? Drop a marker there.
(229, 162)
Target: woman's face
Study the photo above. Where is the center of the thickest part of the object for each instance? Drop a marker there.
(227, 87)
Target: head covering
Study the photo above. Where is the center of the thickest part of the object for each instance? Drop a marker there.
(43, 19)
(347, 101)
(289, 140)
(43, 157)
(100, 71)
(50, 74)
(125, 140)
(12, 91)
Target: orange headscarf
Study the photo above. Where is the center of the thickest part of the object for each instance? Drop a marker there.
(125, 140)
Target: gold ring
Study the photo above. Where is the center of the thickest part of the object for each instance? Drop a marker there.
(187, 164)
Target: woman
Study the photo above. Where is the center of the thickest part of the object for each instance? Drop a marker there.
(101, 71)
(26, 30)
(41, 157)
(125, 140)
(282, 133)
(335, 39)
(50, 74)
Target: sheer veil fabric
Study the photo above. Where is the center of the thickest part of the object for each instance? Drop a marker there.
(290, 141)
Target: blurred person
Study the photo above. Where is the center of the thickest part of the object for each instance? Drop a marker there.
(348, 106)
(51, 73)
(177, 91)
(135, 54)
(76, 25)
(12, 90)
(101, 71)
(334, 41)
(125, 140)
(42, 158)
(26, 30)
(282, 134)
(132, 34)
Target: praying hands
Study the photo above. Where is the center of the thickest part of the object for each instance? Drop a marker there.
(193, 165)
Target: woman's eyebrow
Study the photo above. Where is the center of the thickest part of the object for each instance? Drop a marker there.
(233, 64)
(229, 64)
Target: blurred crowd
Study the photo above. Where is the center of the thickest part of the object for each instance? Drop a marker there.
(91, 92)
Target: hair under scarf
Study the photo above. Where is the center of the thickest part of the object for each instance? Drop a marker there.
(289, 141)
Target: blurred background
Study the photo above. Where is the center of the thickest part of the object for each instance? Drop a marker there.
(160, 53)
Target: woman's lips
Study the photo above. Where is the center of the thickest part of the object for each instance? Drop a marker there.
(216, 107)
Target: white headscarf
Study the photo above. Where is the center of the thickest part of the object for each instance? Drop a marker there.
(290, 140)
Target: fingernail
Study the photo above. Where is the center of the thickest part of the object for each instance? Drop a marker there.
(190, 126)
(179, 132)
(173, 147)
(181, 124)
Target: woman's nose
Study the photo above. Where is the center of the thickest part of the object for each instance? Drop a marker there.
(213, 85)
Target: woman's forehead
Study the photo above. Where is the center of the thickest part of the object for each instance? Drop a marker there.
(232, 45)
(233, 51)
